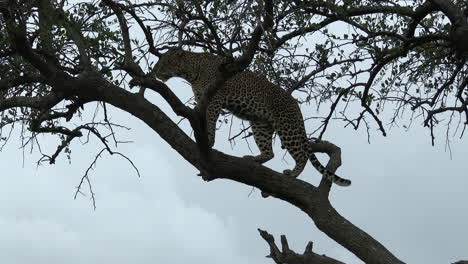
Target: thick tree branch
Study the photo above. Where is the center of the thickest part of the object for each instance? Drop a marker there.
(459, 21)
(221, 166)
(6, 84)
(310, 199)
(45, 11)
(37, 102)
(419, 13)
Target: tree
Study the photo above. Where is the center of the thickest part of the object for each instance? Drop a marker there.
(59, 57)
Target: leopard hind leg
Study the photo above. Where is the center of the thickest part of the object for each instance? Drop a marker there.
(263, 135)
(293, 140)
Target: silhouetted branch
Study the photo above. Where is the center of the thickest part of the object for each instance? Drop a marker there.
(288, 256)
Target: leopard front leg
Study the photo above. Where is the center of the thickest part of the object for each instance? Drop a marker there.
(263, 134)
(212, 113)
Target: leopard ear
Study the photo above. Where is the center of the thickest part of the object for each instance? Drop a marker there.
(176, 51)
(180, 53)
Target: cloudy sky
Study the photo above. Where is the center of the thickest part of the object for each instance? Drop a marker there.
(408, 195)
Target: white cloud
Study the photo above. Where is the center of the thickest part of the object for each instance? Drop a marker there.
(137, 220)
(170, 215)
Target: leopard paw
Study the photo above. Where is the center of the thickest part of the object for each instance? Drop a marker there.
(210, 143)
(289, 173)
(250, 157)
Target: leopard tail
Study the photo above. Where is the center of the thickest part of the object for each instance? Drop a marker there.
(330, 176)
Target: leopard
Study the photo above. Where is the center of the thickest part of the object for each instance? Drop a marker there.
(249, 96)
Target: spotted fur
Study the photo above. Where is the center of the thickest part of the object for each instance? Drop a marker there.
(251, 97)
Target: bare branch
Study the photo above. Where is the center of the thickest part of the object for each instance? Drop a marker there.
(85, 177)
(286, 255)
(128, 64)
(146, 30)
(161, 88)
(210, 26)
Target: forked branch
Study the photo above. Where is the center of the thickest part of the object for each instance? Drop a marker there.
(286, 255)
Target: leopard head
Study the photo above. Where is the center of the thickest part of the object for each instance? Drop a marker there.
(171, 64)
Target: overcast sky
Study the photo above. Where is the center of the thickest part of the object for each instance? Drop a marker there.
(406, 194)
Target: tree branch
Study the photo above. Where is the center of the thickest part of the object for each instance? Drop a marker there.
(177, 106)
(289, 256)
(6, 84)
(221, 166)
(451, 11)
(459, 32)
(128, 64)
(202, 17)
(77, 36)
(419, 13)
(38, 102)
(146, 30)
